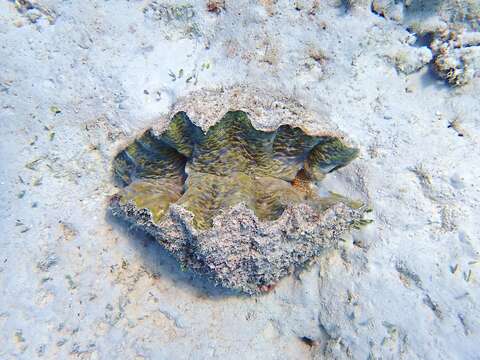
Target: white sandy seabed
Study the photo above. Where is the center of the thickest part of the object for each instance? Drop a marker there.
(79, 79)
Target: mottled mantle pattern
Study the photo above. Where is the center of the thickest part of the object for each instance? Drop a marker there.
(236, 203)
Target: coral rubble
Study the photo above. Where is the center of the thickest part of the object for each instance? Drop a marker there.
(452, 26)
(457, 57)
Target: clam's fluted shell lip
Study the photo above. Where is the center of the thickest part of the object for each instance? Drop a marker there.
(267, 111)
(237, 232)
(188, 215)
